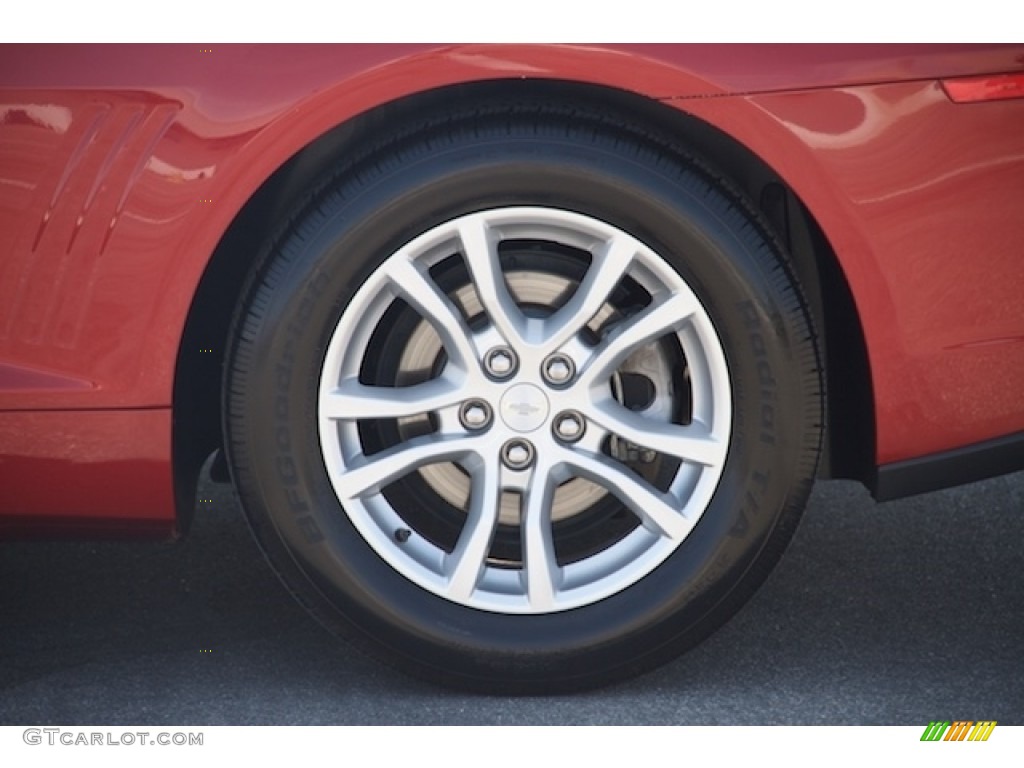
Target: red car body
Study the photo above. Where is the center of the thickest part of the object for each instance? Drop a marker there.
(131, 177)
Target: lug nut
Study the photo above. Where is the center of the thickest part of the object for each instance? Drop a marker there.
(517, 454)
(475, 414)
(558, 370)
(569, 426)
(500, 362)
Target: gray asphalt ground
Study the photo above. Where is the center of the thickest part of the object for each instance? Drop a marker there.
(885, 614)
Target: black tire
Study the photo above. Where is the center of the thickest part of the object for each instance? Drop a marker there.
(487, 159)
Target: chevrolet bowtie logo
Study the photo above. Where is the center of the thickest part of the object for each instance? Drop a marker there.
(522, 409)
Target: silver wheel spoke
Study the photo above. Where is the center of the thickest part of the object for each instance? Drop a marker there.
(540, 568)
(521, 407)
(657, 511)
(367, 475)
(690, 442)
(437, 309)
(466, 562)
(481, 254)
(352, 400)
(661, 317)
(606, 271)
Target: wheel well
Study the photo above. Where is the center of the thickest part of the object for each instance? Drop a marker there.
(849, 444)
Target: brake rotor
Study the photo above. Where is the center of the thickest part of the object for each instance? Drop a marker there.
(423, 353)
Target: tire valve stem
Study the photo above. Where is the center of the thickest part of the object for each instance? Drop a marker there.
(402, 535)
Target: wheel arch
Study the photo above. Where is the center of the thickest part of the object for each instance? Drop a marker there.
(850, 442)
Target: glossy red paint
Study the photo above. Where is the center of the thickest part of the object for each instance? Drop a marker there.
(924, 217)
(122, 166)
(87, 471)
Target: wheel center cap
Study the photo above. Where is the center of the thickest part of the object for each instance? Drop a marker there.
(524, 407)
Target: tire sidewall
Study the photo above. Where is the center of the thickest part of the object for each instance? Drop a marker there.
(676, 211)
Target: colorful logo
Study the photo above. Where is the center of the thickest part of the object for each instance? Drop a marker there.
(961, 730)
